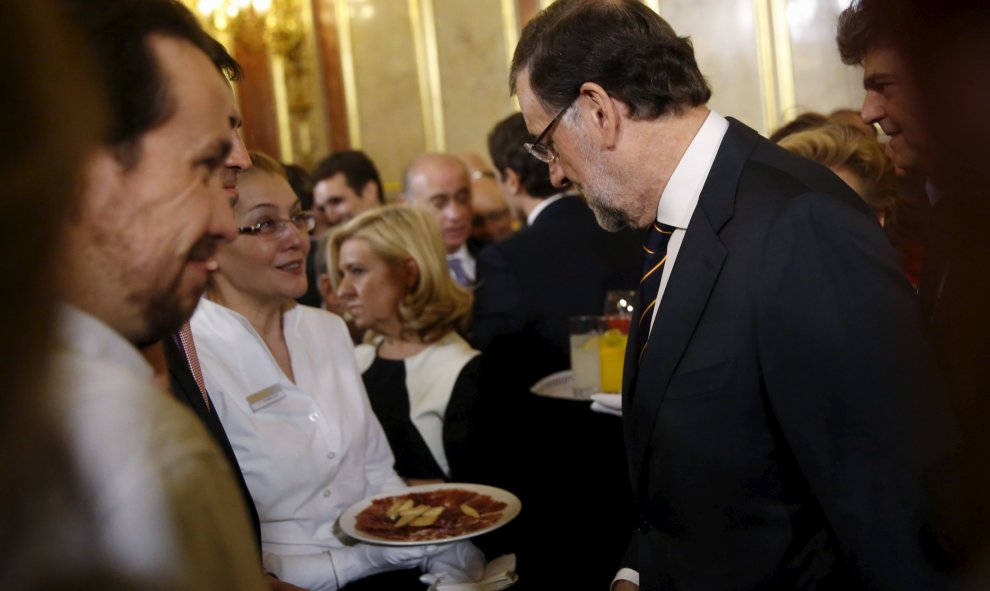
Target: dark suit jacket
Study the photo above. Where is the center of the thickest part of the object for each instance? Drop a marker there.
(773, 430)
(186, 391)
(559, 267)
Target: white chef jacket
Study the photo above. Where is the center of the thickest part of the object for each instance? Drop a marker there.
(308, 450)
(165, 506)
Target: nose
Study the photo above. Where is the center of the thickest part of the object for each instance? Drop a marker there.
(238, 159)
(297, 237)
(457, 211)
(345, 290)
(873, 110)
(222, 226)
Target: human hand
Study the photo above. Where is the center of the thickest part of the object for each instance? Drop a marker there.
(455, 563)
(363, 560)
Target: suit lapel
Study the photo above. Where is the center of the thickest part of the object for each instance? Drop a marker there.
(696, 270)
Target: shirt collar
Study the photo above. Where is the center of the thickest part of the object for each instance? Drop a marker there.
(680, 196)
(461, 253)
(89, 337)
(543, 204)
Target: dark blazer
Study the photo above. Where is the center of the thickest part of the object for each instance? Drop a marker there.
(561, 266)
(773, 427)
(187, 391)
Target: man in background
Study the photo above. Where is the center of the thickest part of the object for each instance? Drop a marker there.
(927, 86)
(440, 184)
(560, 265)
(345, 184)
(493, 220)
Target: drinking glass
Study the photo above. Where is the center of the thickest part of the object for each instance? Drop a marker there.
(614, 329)
(585, 375)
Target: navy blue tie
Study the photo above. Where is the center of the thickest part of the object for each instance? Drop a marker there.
(654, 258)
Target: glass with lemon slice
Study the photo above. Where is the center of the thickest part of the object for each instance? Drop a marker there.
(585, 377)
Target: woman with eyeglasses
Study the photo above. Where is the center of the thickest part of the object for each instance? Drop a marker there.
(285, 384)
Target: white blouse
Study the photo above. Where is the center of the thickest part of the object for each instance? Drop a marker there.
(308, 450)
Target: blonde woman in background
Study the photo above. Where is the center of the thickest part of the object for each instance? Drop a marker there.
(290, 397)
(389, 266)
(855, 158)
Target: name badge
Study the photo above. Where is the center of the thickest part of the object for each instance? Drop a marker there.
(266, 397)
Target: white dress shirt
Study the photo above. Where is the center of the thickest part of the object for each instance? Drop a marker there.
(680, 196)
(677, 204)
(167, 511)
(308, 450)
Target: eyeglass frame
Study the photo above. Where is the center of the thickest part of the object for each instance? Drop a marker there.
(536, 145)
(280, 225)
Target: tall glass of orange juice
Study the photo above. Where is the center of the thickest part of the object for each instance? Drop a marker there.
(612, 352)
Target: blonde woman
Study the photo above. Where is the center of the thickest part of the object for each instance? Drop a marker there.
(389, 267)
(288, 392)
(855, 158)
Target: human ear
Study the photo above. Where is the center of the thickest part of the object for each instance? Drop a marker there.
(604, 112)
(410, 269)
(511, 181)
(370, 193)
(326, 287)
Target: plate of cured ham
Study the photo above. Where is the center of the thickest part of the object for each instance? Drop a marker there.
(430, 514)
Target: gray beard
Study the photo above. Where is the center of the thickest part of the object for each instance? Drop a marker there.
(608, 217)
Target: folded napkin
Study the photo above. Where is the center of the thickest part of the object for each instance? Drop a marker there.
(555, 385)
(499, 574)
(609, 404)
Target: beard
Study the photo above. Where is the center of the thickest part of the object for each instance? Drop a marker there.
(166, 309)
(601, 189)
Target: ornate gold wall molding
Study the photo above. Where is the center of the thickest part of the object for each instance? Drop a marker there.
(347, 72)
(773, 43)
(424, 31)
(283, 31)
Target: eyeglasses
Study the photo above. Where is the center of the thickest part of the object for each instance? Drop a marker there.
(303, 221)
(545, 152)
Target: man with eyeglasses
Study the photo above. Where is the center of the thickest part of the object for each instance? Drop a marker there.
(777, 397)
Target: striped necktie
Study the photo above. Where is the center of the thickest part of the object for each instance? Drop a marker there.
(654, 257)
(188, 346)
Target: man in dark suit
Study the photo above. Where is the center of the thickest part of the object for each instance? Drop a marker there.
(440, 185)
(776, 375)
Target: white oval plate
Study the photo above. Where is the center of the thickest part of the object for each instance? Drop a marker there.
(348, 519)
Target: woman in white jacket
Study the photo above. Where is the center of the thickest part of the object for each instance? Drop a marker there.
(287, 389)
